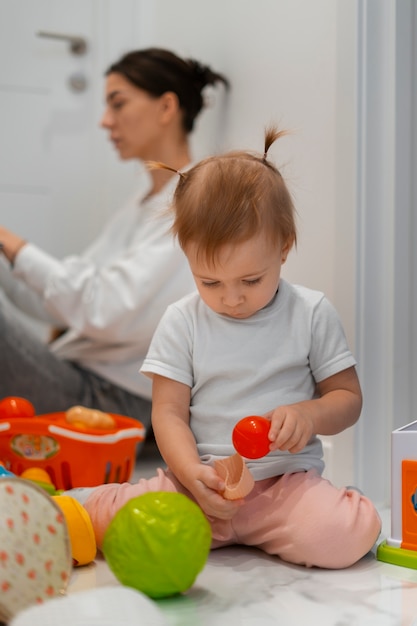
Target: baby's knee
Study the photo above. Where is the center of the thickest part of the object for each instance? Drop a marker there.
(359, 528)
(340, 534)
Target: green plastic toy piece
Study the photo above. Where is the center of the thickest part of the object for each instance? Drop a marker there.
(158, 543)
(396, 556)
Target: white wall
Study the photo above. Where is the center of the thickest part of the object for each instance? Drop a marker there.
(281, 57)
(342, 75)
(386, 283)
(291, 62)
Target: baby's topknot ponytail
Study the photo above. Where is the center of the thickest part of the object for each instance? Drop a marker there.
(271, 135)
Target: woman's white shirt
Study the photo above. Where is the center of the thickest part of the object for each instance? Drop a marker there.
(113, 295)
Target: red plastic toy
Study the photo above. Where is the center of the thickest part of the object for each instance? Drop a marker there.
(14, 406)
(250, 437)
(72, 454)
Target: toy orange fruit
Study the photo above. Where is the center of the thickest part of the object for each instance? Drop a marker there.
(13, 406)
(39, 477)
(37, 474)
(80, 529)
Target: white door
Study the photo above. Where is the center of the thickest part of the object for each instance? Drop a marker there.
(54, 159)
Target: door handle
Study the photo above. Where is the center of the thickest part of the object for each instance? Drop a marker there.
(78, 45)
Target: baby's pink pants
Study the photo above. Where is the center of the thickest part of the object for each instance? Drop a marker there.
(301, 517)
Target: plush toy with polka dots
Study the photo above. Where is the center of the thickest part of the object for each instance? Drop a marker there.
(35, 549)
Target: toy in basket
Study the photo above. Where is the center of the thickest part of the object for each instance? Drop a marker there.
(77, 448)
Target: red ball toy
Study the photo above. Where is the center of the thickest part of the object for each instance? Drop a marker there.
(250, 437)
(14, 406)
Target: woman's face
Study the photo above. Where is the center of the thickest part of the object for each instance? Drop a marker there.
(134, 119)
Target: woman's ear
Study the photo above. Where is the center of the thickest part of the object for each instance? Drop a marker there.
(169, 106)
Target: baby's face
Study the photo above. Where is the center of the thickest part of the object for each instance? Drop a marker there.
(243, 279)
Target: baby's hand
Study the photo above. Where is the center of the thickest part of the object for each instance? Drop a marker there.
(291, 428)
(206, 486)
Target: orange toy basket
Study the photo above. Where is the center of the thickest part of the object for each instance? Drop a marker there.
(72, 456)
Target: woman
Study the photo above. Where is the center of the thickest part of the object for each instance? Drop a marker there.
(107, 301)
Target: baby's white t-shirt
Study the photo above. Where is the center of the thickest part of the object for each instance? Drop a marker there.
(241, 367)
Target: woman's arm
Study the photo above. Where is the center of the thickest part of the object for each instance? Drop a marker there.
(177, 445)
(118, 288)
(338, 406)
(22, 296)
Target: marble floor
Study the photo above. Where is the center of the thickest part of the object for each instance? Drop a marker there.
(245, 587)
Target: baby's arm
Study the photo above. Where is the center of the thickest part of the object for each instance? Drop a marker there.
(338, 406)
(176, 442)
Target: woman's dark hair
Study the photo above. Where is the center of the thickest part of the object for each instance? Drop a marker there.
(157, 71)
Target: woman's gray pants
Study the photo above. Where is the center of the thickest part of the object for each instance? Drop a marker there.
(30, 370)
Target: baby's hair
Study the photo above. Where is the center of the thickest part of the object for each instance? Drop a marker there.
(229, 199)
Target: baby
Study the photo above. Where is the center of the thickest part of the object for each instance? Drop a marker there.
(248, 342)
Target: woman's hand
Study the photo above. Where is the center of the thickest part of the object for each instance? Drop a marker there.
(206, 486)
(11, 244)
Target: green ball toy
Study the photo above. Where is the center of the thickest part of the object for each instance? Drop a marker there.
(158, 543)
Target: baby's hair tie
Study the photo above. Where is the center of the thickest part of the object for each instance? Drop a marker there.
(158, 165)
